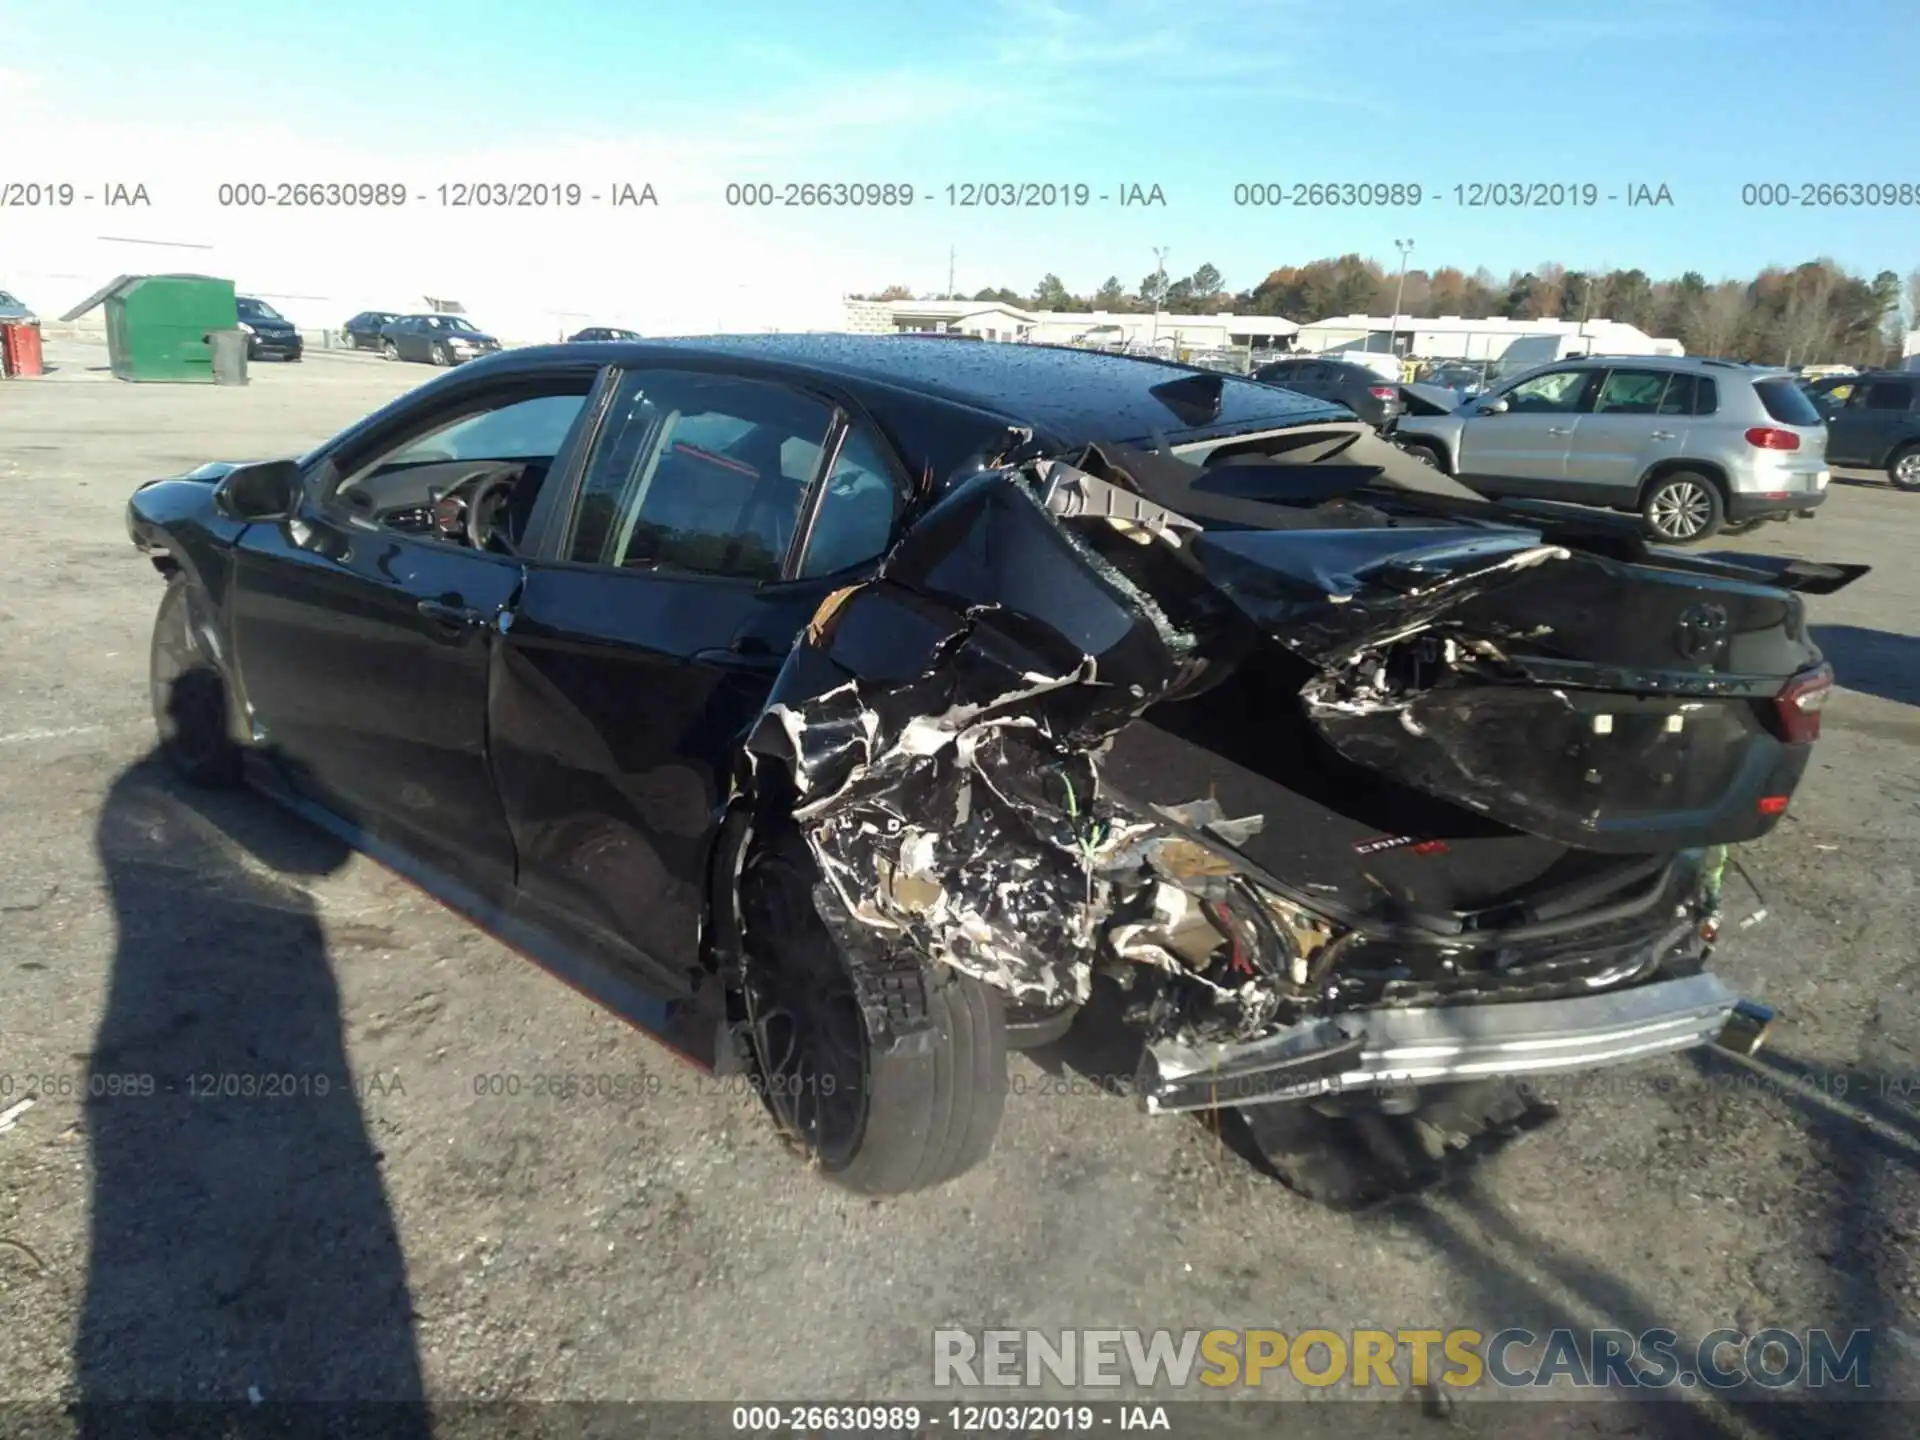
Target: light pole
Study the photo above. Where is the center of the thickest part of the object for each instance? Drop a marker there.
(1405, 247)
(1159, 287)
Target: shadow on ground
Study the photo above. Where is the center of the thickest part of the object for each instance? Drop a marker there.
(1874, 662)
(242, 1246)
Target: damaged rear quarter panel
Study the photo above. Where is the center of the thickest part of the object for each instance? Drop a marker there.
(938, 725)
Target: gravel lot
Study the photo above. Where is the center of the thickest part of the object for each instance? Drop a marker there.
(426, 1239)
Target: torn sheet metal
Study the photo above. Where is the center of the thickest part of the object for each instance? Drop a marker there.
(942, 726)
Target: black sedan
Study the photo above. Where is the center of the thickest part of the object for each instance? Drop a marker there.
(1363, 391)
(602, 333)
(436, 339)
(843, 708)
(270, 335)
(364, 330)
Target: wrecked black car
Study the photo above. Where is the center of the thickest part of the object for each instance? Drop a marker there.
(848, 710)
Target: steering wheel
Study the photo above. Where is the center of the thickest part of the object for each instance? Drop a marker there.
(481, 530)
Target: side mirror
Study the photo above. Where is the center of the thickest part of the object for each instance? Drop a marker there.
(1491, 407)
(267, 490)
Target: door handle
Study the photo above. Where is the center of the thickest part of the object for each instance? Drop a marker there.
(1662, 434)
(1559, 430)
(448, 613)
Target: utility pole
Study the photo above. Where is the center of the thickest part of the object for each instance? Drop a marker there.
(1405, 247)
(949, 272)
(1159, 286)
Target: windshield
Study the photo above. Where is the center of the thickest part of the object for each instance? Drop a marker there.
(6, 299)
(452, 322)
(258, 310)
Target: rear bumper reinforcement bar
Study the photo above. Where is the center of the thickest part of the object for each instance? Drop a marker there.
(1372, 1049)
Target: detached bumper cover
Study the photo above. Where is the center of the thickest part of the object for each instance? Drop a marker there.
(1375, 1048)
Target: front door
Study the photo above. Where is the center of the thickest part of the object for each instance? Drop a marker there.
(645, 645)
(1522, 450)
(363, 628)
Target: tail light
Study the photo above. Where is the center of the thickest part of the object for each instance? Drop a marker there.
(1384, 392)
(1799, 702)
(1768, 437)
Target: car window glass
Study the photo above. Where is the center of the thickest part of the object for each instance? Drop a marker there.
(1889, 395)
(1680, 395)
(1631, 392)
(526, 430)
(1706, 396)
(701, 473)
(857, 510)
(1557, 392)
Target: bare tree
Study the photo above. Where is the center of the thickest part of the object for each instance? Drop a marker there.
(1717, 316)
(1806, 324)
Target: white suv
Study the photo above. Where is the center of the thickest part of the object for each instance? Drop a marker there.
(1691, 445)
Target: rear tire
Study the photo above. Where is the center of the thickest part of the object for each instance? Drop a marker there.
(1903, 468)
(1682, 507)
(189, 696)
(878, 1120)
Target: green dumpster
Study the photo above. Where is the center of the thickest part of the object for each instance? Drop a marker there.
(158, 325)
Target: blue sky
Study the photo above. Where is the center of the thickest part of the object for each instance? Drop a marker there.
(1702, 96)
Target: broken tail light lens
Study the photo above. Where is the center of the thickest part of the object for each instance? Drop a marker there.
(1768, 437)
(1799, 703)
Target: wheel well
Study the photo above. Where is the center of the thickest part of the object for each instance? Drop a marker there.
(1438, 447)
(1692, 467)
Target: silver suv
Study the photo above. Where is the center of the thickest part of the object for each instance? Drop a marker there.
(1692, 445)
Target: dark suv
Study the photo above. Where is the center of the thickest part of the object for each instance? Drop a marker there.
(603, 333)
(1873, 422)
(1361, 390)
(269, 333)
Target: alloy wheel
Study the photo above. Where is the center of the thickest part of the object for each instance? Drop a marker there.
(1906, 471)
(1680, 510)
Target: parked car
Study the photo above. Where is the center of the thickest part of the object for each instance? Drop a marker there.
(270, 335)
(436, 339)
(1366, 394)
(603, 332)
(363, 331)
(840, 707)
(1467, 380)
(12, 308)
(1689, 444)
(1873, 422)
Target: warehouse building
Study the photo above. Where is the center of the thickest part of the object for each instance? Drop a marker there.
(1451, 337)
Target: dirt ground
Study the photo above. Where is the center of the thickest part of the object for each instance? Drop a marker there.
(424, 1237)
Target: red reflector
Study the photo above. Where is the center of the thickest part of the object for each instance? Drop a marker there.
(1773, 804)
(1766, 437)
(1431, 847)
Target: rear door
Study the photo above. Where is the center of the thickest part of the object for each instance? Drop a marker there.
(1628, 432)
(713, 515)
(363, 628)
(1876, 416)
(1523, 449)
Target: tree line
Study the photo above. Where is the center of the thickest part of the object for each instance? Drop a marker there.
(1816, 312)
